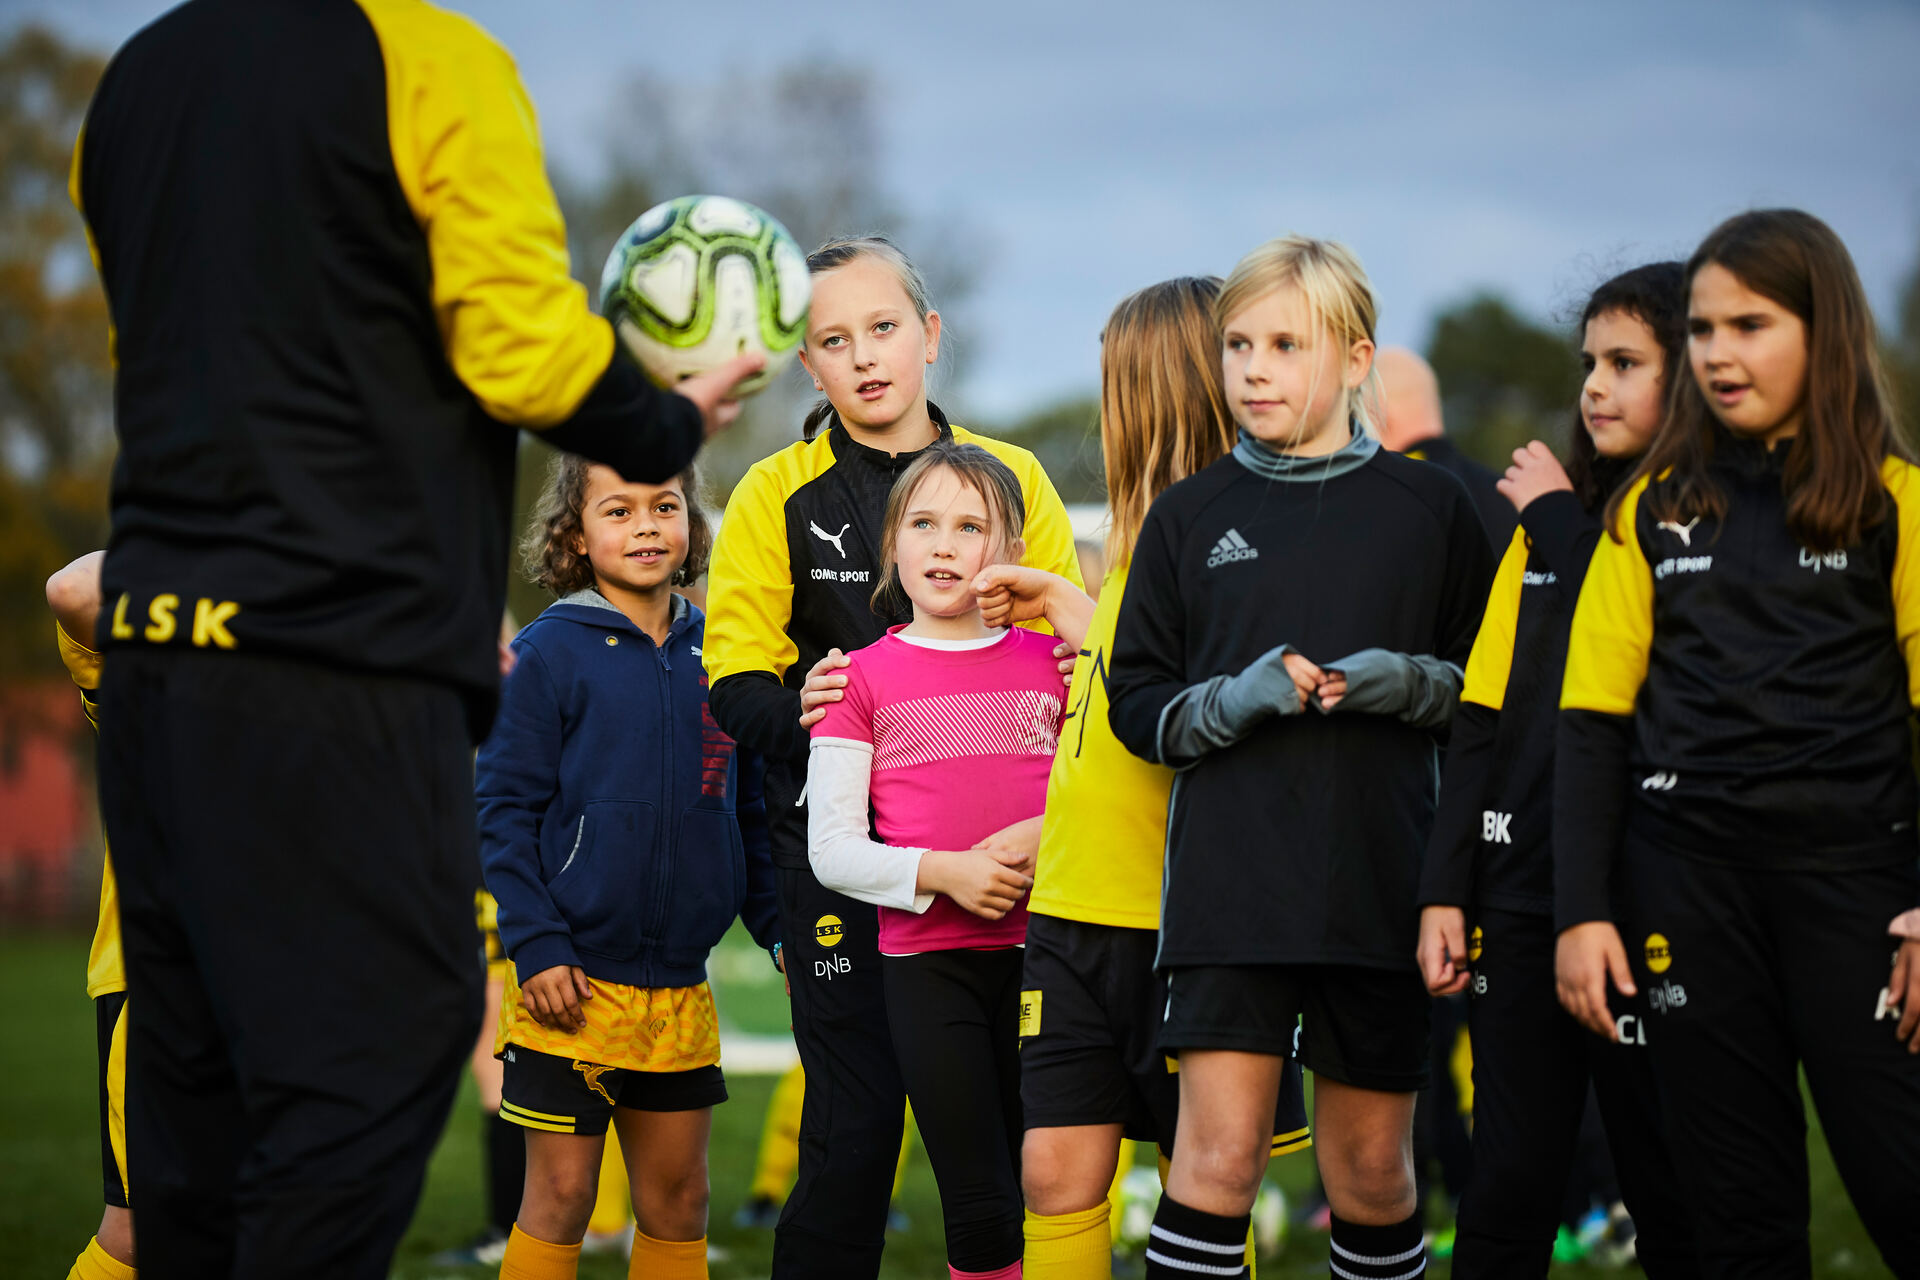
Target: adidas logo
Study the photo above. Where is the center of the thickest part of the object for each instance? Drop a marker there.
(1231, 547)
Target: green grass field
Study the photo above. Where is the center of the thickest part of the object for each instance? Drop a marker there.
(49, 1148)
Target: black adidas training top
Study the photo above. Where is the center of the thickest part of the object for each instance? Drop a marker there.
(1301, 842)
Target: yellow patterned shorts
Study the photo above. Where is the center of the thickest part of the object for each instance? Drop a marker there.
(649, 1049)
(486, 915)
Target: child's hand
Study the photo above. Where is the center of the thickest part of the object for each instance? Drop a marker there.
(1584, 958)
(1535, 471)
(1443, 950)
(553, 997)
(976, 879)
(1903, 991)
(1012, 593)
(1307, 678)
(822, 687)
(1066, 655)
(1019, 842)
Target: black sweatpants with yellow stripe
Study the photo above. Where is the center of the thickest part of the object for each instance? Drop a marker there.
(833, 1226)
(296, 853)
(1752, 975)
(1532, 1064)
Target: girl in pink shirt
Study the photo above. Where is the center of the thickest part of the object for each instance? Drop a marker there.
(947, 730)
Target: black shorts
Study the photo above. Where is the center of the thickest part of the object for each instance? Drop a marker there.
(562, 1095)
(113, 1098)
(1363, 1027)
(1090, 1004)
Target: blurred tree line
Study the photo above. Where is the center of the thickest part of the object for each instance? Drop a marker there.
(801, 142)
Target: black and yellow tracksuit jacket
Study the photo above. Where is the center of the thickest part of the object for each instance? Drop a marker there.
(794, 568)
(1732, 696)
(338, 281)
(1492, 835)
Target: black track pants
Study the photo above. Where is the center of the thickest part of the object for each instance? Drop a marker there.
(1531, 1067)
(296, 854)
(1751, 975)
(956, 1025)
(834, 1223)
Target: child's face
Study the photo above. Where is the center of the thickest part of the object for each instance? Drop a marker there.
(1287, 378)
(866, 346)
(946, 538)
(1749, 356)
(634, 535)
(1623, 399)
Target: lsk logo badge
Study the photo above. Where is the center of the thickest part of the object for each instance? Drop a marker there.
(827, 931)
(1659, 954)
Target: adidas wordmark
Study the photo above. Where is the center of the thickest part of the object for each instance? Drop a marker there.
(1231, 547)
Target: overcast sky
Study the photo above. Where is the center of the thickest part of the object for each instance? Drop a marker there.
(1519, 146)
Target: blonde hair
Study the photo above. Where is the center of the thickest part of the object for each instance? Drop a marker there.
(980, 471)
(1338, 294)
(1163, 411)
(837, 253)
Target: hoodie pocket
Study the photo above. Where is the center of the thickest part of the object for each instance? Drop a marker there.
(708, 884)
(602, 882)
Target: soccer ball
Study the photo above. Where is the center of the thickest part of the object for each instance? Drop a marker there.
(701, 279)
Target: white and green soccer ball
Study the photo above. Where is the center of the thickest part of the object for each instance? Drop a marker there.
(699, 280)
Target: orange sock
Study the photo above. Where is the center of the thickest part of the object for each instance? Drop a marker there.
(665, 1259)
(533, 1259)
(95, 1263)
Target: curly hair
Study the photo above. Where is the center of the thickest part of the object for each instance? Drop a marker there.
(557, 525)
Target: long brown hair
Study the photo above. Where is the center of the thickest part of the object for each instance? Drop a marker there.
(1832, 476)
(1163, 411)
(1656, 296)
(558, 522)
(980, 471)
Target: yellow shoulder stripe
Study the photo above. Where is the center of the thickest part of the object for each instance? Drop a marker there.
(1613, 622)
(1900, 478)
(1491, 662)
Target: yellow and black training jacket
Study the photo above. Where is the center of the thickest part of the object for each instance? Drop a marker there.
(1492, 840)
(338, 281)
(1732, 696)
(794, 568)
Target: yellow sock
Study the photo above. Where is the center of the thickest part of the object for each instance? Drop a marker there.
(532, 1259)
(613, 1202)
(779, 1156)
(667, 1259)
(1068, 1246)
(1116, 1206)
(95, 1263)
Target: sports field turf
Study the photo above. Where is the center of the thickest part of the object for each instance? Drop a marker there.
(50, 1164)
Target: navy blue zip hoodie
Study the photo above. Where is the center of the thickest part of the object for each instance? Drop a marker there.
(620, 830)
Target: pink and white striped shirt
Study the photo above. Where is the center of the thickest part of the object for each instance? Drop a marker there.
(959, 742)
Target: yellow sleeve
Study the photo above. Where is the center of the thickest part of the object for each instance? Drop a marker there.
(1613, 622)
(1899, 475)
(515, 324)
(93, 250)
(82, 663)
(1492, 658)
(750, 580)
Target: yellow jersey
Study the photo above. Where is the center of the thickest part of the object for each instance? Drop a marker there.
(106, 972)
(1103, 842)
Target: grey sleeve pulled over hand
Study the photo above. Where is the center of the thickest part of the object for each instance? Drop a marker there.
(1417, 687)
(1216, 713)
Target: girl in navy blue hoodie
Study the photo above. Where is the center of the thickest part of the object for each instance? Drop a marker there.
(621, 833)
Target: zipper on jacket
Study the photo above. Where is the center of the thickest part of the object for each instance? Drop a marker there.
(579, 831)
(669, 811)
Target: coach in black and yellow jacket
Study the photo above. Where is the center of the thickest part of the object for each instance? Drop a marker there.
(338, 283)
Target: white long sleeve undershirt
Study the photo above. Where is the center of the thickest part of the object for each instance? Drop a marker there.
(844, 856)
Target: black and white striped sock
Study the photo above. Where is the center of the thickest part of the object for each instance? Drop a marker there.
(1395, 1252)
(1186, 1244)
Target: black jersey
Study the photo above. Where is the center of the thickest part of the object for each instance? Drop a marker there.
(1497, 515)
(1735, 696)
(1492, 838)
(794, 568)
(337, 278)
(1301, 842)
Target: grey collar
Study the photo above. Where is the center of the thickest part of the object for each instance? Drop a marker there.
(1269, 463)
(589, 598)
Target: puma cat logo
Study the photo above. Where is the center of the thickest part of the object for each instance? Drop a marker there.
(1684, 532)
(834, 538)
